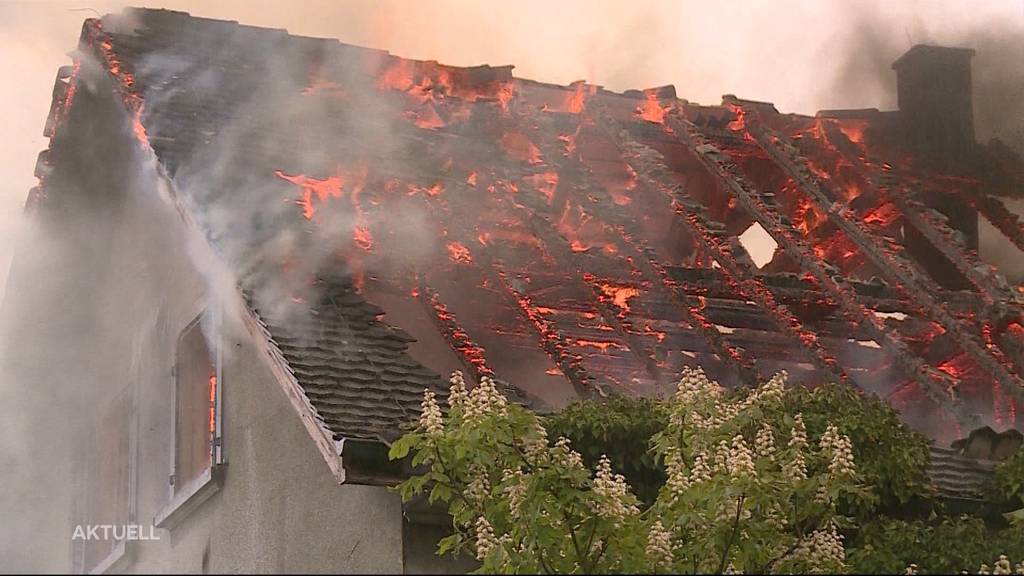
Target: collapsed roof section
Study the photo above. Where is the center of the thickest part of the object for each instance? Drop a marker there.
(568, 240)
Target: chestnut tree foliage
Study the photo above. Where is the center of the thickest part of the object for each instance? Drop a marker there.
(747, 489)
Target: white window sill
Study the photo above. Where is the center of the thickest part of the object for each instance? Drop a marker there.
(190, 497)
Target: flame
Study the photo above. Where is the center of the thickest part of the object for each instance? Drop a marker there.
(138, 129)
(884, 215)
(323, 189)
(433, 190)
(619, 295)
(575, 102)
(362, 237)
(601, 345)
(472, 352)
(806, 216)
(958, 366)
(213, 410)
(854, 130)
(458, 253)
(739, 123)
(650, 109)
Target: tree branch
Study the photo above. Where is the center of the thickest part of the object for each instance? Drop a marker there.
(733, 533)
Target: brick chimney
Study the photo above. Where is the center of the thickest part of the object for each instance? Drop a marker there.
(933, 86)
(937, 125)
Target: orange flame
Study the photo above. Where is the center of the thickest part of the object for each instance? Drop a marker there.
(322, 188)
(213, 410)
(620, 295)
(651, 110)
(458, 253)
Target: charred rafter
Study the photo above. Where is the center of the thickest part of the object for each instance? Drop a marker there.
(473, 355)
(995, 211)
(652, 271)
(905, 275)
(559, 248)
(743, 283)
(552, 342)
(935, 383)
(881, 182)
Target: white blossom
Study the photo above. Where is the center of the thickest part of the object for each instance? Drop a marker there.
(485, 399)
(695, 385)
(677, 482)
(431, 419)
(700, 472)
(659, 545)
(485, 540)
(722, 454)
(479, 488)
(612, 491)
(457, 392)
(911, 569)
(773, 389)
(822, 549)
(1002, 565)
(569, 457)
(796, 469)
(776, 518)
(798, 437)
(741, 461)
(764, 443)
(514, 490)
(537, 443)
(841, 450)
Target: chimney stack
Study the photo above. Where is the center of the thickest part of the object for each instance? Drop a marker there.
(934, 93)
(937, 124)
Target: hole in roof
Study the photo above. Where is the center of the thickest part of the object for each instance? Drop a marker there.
(759, 244)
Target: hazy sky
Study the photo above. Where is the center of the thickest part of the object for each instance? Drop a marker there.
(802, 55)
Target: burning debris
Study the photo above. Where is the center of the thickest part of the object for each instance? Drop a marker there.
(596, 235)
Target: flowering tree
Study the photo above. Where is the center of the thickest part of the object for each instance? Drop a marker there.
(747, 490)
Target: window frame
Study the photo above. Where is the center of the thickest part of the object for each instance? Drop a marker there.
(182, 500)
(126, 400)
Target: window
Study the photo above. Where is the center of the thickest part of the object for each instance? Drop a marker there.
(106, 497)
(195, 406)
(197, 445)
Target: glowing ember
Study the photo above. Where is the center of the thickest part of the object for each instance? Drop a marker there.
(362, 237)
(619, 295)
(576, 101)
(459, 253)
(603, 346)
(432, 191)
(321, 188)
(213, 410)
(651, 110)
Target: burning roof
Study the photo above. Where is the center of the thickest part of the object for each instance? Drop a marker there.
(414, 218)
